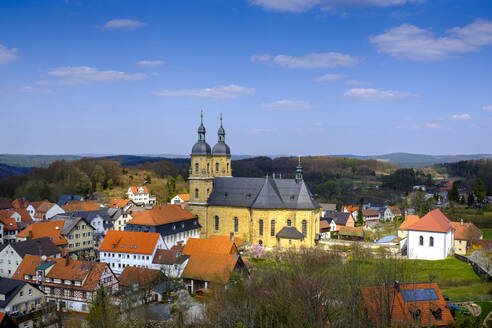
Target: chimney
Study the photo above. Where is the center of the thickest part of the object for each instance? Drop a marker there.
(182, 205)
(397, 286)
(461, 221)
(30, 234)
(231, 236)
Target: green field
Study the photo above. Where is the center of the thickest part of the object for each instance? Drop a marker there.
(487, 233)
(455, 278)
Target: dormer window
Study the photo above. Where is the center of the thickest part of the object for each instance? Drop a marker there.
(174, 227)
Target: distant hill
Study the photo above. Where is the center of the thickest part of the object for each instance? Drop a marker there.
(419, 160)
(30, 161)
(8, 171)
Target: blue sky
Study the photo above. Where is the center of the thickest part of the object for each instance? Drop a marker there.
(290, 76)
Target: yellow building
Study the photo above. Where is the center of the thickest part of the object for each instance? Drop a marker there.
(266, 211)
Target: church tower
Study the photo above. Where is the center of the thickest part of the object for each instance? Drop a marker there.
(200, 176)
(221, 154)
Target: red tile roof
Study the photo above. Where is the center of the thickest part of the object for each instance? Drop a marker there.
(240, 243)
(184, 197)
(81, 206)
(141, 276)
(379, 298)
(212, 267)
(9, 223)
(135, 189)
(87, 272)
(209, 245)
(118, 202)
(410, 220)
(133, 242)
(466, 231)
(50, 229)
(161, 215)
(20, 203)
(433, 221)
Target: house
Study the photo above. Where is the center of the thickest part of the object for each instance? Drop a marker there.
(351, 209)
(464, 235)
(11, 255)
(409, 305)
(13, 221)
(174, 223)
(64, 199)
(129, 248)
(211, 262)
(327, 207)
(333, 220)
(395, 211)
(99, 220)
(71, 284)
(431, 237)
(350, 233)
(19, 299)
(44, 210)
(72, 234)
(20, 204)
(120, 218)
(121, 203)
(82, 206)
(181, 199)
(239, 242)
(140, 195)
(137, 285)
(371, 217)
(403, 228)
(170, 261)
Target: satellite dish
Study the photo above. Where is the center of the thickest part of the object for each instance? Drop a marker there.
(43, 257)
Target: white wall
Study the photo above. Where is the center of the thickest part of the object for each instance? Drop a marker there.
(9, 261)
(172, 270)
(181, 238)
(54, 210)
(443, 244)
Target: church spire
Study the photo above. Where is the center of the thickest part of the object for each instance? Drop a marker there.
(299, 170)
(221, 132)
(201, 129)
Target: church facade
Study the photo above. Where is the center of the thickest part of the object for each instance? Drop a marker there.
(272, 212)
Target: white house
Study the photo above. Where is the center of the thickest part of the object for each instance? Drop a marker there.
(44, 210)
(180, 199)
(140, 195)
(129, 248)
(11, 255)
(170, 261)
(431, 237)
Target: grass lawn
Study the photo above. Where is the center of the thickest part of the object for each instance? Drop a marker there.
(455, 278)
(487, 233)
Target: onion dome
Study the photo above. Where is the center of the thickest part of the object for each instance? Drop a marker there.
(201, 147)
(221, 148)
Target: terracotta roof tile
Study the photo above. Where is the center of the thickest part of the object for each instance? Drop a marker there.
(409, 220)
(81, 206)
(20, 203)
(209, 245)
(240, 243)
(9, 223)
(161, 215)
(212, 267)
(466, 231)
(118, 202)
(376, 300)
(184, 197)
(141, 276)
(169, 256)
(433, 221)
(50, 229)
(136, 188)
(370, 212)
(133, 242)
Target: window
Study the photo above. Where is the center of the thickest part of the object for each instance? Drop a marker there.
(216, 167)
(227, 167)
(304, 228)
(216, 223)
(208, 167)
(196, 193)
(196, 168)
(272, 228)
(421, 240)
(289, 223)
(431, 241)
(30, 291)
(236, 225)
(260, 227)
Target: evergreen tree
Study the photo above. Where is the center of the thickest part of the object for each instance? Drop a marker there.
(455, 195)
(471, 199)
(103, 314)
(360, 217)
(479, 191)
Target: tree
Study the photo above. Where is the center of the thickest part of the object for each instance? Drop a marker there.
(422, 206)
(103, 314)
(148, 179)
(455, 195)
(479, 191)
(471, 199)
(360, 217)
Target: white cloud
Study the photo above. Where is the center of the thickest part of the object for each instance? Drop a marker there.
(82, 74)
(374, 94)
(413, 43)
(29, 89)
(285, 104)
(487, 108)
(329, 77)
(260, 58)
(297, 6)
(357, 83)
(217, 92)
(150, 63)
(7, 55)
(460, 117)
(432, 126)
(124, 23)
(317, 60)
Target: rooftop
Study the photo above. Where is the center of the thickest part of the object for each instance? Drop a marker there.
(130, 242)
(160, 215)
(434, 221)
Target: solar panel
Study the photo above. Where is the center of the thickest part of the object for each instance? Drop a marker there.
(415, 295)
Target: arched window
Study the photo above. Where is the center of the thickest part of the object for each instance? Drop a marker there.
(227, 167)
(208, 167)
(197, 194)
(260, 242)
(272, 228)
(260, 227)
(431, 241)
(421, 240)
(304, 228)
(217, 167)
(216, 223)
(289, 222)
(236, 225)
(196, 168)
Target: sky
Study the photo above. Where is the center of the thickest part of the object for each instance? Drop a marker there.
(308, 77)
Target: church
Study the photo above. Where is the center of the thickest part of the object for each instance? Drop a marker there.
(271, 212)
